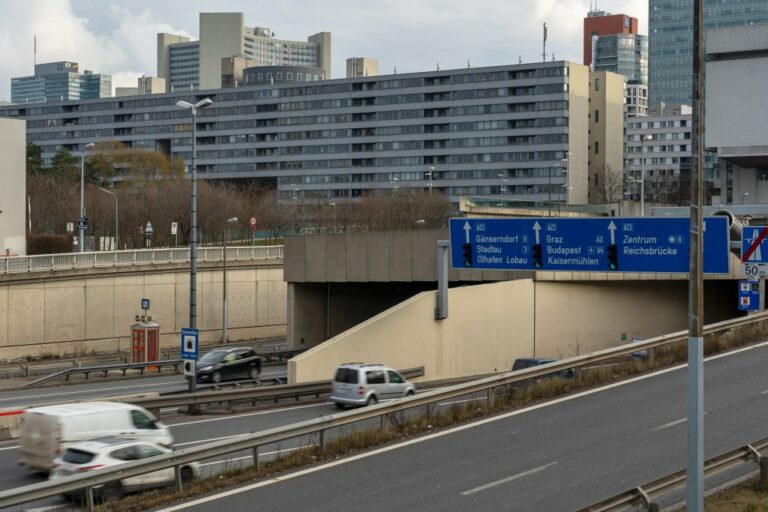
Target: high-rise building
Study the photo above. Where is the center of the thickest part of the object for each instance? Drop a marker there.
(601, 23)
(502, 131)
(362, 66)
(60, 81)
(625, 54)
(606, 132)
(670, 30)
(190, 65)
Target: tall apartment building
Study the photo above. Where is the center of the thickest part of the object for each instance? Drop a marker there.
(192, 65)
(362, 66)
(502, 130)
(658, 150)
(670, 29)
(60, 81)
(625, 54)
(601, 23)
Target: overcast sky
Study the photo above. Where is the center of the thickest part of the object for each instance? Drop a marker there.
(118, 36)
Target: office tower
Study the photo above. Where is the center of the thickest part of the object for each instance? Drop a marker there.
(670, 32)
(60, 81)
(625, 54)
(362, 66)
(188, 65)
(601, 23)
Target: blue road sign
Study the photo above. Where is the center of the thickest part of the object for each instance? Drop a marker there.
(754, 244)
(604, 244)
(749, 295)
(189, 339)
(145, 304)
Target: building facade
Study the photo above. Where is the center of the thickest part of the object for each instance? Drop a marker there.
(362, 66)
(636, 100)
(606, 140)
(601, 23)
(670, 29)
(192, 65)
(13, 193)
(261, 75)
(484, 131)
(625, 54)
(736, 123)
(60, 81)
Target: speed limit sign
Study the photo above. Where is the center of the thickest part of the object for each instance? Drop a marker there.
(174, 227)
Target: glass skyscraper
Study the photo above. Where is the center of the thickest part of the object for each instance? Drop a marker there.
(626, 54)
(670, 31)
(59, 81)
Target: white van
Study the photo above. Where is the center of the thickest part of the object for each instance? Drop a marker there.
(46, 432)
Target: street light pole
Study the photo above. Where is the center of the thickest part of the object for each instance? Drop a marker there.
(430, 169)
(549, 193)
(117, 239)
(81, 221)
(193, 217)
(224, 280)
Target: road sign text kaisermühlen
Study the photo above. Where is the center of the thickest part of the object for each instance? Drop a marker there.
(597, 244)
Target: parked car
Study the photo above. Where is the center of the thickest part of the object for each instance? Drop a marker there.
(48, 431)
(228, 363)
(364, 384)
(112, 451)
(528, 362)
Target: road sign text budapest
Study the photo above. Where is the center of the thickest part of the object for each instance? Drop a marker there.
(607, 244)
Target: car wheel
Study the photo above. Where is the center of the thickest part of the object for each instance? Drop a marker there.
(410, 393)
(338, 405)
(112, 491)
(372, 400)
(216, 377)
(253, 373)
(187, 474)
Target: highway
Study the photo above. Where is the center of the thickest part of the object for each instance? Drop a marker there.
(97, 386)
(558, 456)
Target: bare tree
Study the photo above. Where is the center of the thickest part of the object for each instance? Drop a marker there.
(612, 187)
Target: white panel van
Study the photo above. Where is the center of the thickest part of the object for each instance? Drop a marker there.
(46, 432)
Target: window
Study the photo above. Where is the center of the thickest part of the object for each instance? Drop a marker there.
(597, 116)
(346, 375)
(394, 377)
(289, 76)
(597, 84)
(597, 148)
(374, 377)
(299, 76)
(230, 357)
(142, 421)
(260, 77)
(279, 76)
(144, 450)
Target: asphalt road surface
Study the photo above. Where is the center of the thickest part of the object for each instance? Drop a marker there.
(558, 456)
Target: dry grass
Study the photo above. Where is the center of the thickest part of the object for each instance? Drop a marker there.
(400, 426)
(745, 497)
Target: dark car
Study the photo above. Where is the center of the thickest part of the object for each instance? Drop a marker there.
(228, 363)
(528, 362)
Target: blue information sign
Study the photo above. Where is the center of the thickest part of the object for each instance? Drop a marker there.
(754, 244)
(604, 244)
(189, 338)
(144, 304)
(749, 295)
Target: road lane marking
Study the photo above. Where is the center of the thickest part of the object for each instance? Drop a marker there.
(9, 448)
(508, 479)
(428, 437)
(670, 424)
(245, 415)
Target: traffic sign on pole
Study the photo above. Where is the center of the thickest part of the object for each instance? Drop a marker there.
(174, 227)
(647, 244)
(189, 343)
(749, 295)
(754, 244)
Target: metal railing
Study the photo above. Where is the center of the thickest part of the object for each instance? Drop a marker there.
(107, 259)
(643, 495)
(105, 369)
(319, 426)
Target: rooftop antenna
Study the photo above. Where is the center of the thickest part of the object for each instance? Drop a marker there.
(519, 59)
(544, 45)
(553, 56)
(438, 66)
(468, 64)
(34, 53)
(395, 69)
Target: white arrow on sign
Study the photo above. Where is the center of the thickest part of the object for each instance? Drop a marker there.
(467, 229)
(537, 228)
(612, 229)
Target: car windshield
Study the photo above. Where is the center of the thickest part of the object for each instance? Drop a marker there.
(214, 356)
(346, 375)
(75, 456)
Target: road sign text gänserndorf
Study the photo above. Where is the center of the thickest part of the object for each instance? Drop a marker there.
(645, 244)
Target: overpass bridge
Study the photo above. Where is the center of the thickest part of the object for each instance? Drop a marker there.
(85, 303)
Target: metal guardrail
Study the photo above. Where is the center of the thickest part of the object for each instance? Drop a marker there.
(320, 425)
(124, 367)
(642, 496)
(106, 259)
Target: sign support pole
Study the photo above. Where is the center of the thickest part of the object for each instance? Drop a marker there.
(441, 309)
(695, 406)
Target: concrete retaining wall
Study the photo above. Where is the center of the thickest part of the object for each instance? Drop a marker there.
(93, 314)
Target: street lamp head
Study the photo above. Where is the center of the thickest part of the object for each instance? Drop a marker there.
(207, 102)
(184, 104)
(648, 137)
(89, 146)
(231, 220)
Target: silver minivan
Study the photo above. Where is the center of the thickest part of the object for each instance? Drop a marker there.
(364, 384)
